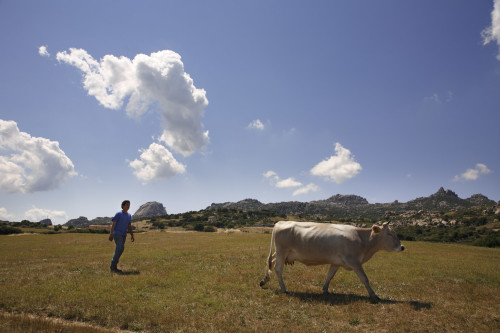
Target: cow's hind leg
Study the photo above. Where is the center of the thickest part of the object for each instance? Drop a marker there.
(278, 268)
(329, 277)
(269, 267)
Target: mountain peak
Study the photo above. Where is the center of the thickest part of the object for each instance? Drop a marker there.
(442, 192)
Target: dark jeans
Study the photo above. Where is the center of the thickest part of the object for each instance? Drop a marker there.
(120, 246)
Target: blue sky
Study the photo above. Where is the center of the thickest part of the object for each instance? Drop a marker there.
(194, 102)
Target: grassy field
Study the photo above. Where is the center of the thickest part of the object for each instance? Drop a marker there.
(209, 282)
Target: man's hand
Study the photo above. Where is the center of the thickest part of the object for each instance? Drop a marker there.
(132, 237)
(110, 237)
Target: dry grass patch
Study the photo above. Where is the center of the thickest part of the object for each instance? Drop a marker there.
(208, 282)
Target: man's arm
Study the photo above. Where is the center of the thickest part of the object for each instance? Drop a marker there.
(131, 232)
(111, 231)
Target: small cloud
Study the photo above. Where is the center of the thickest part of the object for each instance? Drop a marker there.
(42, 50)
(439, 98)
(257, 125)
(156, 162)
(473, 174)
(37, 214)
(339, 167)
(492, 33)
(4, 215)
(270, 174)
(449, 96)
(434, 98)
(288, 183)
(275, 180)
(306, 189)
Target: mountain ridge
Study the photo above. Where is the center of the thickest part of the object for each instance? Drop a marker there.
(350, 205)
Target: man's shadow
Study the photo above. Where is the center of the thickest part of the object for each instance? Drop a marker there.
(129, 273)
(344, 299)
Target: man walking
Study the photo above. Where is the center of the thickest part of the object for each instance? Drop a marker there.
(121, 223)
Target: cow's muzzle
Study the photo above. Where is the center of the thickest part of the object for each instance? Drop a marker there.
(402, 247)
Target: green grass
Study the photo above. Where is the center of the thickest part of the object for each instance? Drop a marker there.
(208, 282)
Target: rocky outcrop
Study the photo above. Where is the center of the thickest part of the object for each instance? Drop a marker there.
(101, 221)
(80, 222)
(149, 209)
(46, 222)
(480, 200)
(246, 204)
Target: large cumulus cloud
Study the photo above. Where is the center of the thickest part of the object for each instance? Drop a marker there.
(29, 164)
(149, 82)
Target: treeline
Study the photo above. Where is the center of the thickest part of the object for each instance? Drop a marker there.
(465, 234)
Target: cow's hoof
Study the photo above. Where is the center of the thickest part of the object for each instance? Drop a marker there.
(262, 283)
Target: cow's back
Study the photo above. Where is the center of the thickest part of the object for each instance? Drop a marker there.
(314, 243)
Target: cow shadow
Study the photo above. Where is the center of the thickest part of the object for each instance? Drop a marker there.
(344, 299)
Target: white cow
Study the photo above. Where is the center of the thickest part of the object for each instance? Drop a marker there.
(323, 243)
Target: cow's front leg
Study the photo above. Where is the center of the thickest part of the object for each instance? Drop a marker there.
(329, 277)
(362, 276)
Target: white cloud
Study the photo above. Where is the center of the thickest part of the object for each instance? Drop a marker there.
(29, 164)
(338, 167)
(306, 189)
(37, 214)
(156, 162)
(473, 174)
(42, 50)
(270, 174)
(492, 33)
(275, 180)
(439, 99)
(288, 183)
(155, 81)
(4, 215)
(256, 124)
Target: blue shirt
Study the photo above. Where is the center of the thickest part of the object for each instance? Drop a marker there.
(123, 220)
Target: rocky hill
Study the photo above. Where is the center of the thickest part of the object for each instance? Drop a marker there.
(83, 222)
(149, 209)
(46, 222)
(353, 206)
(80, 222)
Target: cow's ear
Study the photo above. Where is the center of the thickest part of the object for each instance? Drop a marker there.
(376, 229)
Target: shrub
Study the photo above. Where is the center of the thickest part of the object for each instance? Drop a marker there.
(8, 230)
(489, 241)
(199, 227)
(210, 228)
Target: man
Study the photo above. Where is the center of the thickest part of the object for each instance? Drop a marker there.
(121, 223)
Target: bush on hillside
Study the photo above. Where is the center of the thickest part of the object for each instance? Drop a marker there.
(8, 230)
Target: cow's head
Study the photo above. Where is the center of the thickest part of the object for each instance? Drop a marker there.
(387, 238)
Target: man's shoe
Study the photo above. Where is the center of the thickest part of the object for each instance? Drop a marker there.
(116, 270)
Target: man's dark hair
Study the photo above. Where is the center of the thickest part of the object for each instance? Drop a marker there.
(125, 202)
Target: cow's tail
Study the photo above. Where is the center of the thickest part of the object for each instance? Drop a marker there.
(269, 266)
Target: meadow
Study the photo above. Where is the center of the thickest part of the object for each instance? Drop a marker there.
(209, 282)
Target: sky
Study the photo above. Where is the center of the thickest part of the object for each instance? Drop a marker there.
(190, 103)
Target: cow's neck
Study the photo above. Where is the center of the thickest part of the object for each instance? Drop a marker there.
(371, 243)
